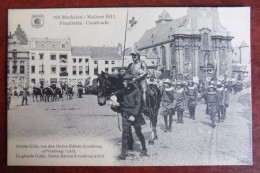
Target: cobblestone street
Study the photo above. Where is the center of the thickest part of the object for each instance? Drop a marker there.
(191, 143)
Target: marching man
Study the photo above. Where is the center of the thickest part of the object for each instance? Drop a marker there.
(167, 103)
(192, 97)
(212, 105)
(179, 101)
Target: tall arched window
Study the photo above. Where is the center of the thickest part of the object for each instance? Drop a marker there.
(173, 57)
(163, 51)
(205, 41)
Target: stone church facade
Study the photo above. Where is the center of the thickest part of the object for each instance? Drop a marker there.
(195, 45)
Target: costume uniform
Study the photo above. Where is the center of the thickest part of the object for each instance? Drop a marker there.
(179, 99)
(167, 105)
(192, 96)
(212, 105)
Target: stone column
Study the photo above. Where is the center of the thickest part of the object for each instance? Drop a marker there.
(168, 56)
(196, 61)
(180, 59)
(217, 59)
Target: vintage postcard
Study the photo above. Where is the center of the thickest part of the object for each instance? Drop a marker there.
(129, 86)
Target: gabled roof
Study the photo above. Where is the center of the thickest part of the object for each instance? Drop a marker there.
(105, 53)
(97, 53)
(243, 44)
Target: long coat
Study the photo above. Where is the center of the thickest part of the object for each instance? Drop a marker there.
(167, 100)
(131, 105)
(212, 103)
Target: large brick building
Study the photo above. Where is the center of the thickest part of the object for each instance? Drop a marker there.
(195, 45)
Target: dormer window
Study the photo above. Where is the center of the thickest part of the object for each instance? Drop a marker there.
(63, 46)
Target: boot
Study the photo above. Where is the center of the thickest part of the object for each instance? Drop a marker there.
(170, 124)
(122, 156)
(165, 123)
(143, 153)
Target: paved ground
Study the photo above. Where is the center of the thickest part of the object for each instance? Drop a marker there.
(191, 143)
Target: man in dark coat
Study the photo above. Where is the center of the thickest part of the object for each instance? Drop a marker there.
(130, 108)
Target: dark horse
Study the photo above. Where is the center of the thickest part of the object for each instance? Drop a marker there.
(109, 85)
(37, 91)
(47, 94)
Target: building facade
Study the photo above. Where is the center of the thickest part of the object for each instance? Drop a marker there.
(18, 60)
(195, 45)
(50, 60)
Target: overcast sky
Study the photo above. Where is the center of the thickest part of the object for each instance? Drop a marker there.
(236, 20)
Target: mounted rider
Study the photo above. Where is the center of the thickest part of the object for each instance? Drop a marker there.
(138, 69)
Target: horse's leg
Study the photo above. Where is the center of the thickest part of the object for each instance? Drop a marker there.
(33, 97)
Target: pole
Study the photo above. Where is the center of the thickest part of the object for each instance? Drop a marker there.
(125, 38)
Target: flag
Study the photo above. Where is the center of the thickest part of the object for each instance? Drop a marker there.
(132, 23)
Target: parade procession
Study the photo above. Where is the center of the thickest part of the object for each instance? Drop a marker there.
(178, 83)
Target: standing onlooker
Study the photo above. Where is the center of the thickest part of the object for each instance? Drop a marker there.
(25, 96)
(167, 103)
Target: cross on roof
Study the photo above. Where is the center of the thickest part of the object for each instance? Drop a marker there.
(132, 21)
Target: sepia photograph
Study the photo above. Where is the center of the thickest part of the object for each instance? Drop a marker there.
(164, 86)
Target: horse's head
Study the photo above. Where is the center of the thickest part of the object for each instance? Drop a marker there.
(106, 84)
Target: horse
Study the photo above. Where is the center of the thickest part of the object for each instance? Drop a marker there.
(112, 84)
(58, 93)
(47, 94)
(37, 91)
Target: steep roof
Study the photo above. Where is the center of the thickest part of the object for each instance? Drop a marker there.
(97, 53)
(160, 33)
(243, 44)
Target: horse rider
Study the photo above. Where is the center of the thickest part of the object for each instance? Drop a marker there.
(130, 109)
(167, 104)
(212, 105)
(192, 97)
(138, 69)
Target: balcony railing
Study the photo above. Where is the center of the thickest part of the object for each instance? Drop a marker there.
(63, 74)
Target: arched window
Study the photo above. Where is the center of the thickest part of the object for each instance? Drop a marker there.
(173, 57)
(163, 51)
(155, 51)
(205, 41)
